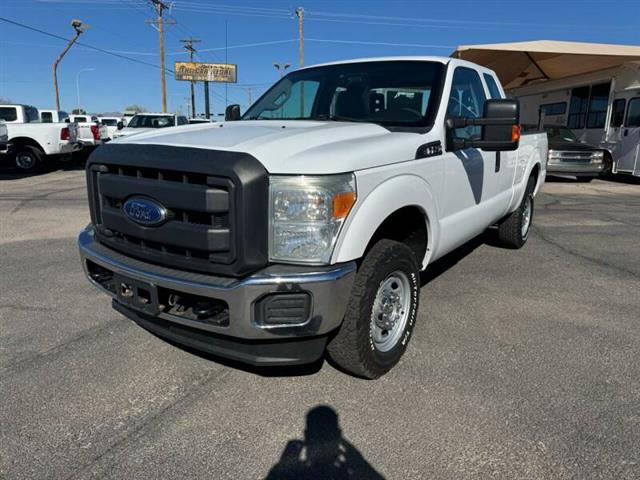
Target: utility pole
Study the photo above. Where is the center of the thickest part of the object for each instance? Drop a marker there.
(80, 28)
(188, 44)
(160, 23)
(300, 15)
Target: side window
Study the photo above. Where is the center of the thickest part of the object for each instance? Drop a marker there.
(297, 102)
(578, 107)
(617, 112)
(598, 105)
(559, 108)
(182, 121)
(633, 115)
(32, 114)
(46, 117)
(494, 91)
(8, 114)
(466, 100)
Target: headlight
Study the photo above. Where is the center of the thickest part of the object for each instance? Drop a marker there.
(306, 213)
(597, 157)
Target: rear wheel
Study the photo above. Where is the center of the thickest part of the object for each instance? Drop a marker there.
(513, 232)
(381, 312)
(28, 158)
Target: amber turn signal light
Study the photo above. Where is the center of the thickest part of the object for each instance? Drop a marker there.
(342, 203)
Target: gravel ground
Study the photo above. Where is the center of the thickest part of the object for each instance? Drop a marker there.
(523, 364)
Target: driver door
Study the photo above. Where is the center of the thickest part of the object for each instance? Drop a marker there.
(471, 180)
(628, 151)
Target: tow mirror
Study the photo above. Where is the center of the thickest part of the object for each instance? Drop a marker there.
(120, 125)
(232, 113)
(500, 127)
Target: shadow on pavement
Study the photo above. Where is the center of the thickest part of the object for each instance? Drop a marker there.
(10, 172)
(323, 453)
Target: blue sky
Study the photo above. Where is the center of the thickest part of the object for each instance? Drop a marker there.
(260, 33)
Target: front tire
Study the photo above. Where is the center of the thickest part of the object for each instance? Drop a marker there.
(513, 232)
(28, 159)
(381, 312)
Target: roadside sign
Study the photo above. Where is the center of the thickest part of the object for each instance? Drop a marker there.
(206, 72)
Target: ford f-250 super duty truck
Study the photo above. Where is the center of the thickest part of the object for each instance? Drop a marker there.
(302, 227)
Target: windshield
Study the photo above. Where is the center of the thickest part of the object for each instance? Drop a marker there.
(561, 133)
(390, 93)
(151, 121)
(110, 122)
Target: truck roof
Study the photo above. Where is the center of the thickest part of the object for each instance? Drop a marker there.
(444, 60)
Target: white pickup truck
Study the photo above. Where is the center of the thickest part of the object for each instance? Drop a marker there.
(145, 122)
(4, 137)
(91, 133)
(302, 227)
(31, 142)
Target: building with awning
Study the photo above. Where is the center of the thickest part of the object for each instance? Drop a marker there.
(523, 63)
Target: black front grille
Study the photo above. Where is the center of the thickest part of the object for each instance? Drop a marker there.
(215, 202)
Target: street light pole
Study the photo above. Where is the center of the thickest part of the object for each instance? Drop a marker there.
(281, 67)
(79, 28)
(78, 83)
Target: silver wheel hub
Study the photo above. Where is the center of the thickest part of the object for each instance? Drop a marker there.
(390, 311)
(24, 160)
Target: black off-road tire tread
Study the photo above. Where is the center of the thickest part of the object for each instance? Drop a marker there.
(348, 349)
(39, 154)
(510, 230)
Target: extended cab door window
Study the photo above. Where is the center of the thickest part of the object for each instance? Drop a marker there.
(8, 114)
(466, 100)
(494, 91)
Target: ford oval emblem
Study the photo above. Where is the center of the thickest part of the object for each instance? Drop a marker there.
(144, 211)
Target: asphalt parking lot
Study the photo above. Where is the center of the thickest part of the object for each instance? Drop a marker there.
(524, 364)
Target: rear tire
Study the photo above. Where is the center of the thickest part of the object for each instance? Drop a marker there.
(381, 312)
(28, 159)
(513, 232)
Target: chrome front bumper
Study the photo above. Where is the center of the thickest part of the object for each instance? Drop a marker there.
(329, 289)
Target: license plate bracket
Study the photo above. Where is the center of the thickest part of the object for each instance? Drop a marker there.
(137, 294)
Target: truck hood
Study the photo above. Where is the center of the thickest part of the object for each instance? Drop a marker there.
(295, 147)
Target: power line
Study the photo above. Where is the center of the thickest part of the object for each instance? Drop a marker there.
(82, 44)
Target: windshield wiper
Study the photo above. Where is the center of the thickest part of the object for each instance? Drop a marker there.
(338, 118)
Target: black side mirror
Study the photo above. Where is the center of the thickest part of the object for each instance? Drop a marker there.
(232, 113)
(500, 127)
(120, 125)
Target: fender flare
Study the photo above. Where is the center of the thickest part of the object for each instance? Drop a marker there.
(378, 204)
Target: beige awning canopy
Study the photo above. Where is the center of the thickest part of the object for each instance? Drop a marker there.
(523, 63)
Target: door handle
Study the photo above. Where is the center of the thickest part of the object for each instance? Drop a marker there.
(626, 132)
(497, 162)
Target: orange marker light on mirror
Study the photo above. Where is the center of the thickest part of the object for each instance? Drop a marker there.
(342, 203)
(515, 133)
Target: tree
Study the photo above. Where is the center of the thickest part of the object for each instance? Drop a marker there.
(78, 111)
(135, 108)
(5, 100)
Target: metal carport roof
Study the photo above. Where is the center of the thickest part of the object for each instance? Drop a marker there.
(523, 63)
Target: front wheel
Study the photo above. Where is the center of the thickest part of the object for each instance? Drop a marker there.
(381, 312)
(513, 232)
(28, 159)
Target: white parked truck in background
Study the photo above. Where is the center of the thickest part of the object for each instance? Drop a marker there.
(303, 226)
(112, 125)
(4, 137)
(91, 133)
(144, 122)
(31, 142)
(52, 116)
